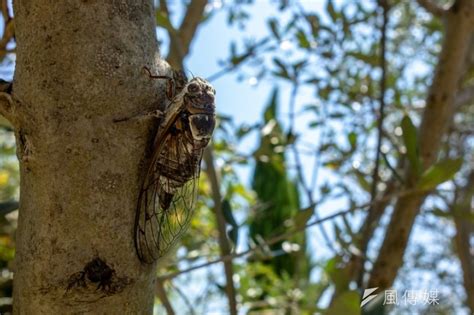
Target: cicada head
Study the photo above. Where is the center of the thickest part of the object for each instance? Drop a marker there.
(199, 97)
(200, 104)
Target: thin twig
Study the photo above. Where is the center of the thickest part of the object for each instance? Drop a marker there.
(317, 153)
(285, 236)
(376, 210)
(161, 292)
(221, 226)
(381, 118)
(231, 67)
(299, 168)
(461, 208)
(164, 7)
(180, 41)
(185, 299)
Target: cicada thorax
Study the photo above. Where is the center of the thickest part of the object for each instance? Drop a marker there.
(179, 161)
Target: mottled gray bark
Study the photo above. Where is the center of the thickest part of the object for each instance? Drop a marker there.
(79, 66)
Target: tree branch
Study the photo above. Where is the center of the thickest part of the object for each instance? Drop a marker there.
(431, 7)
(182, 39)
(299, 166)
(465, 96)
(161, 292)
(464, 231)
(164, 7)
(221, 225)
(281, 237)
(435, 121)
(375, 212)
(380, 120)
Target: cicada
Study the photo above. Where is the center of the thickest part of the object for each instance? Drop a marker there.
(168, 193)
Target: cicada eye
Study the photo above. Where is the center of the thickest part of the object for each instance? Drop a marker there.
(193, 88)
(210, 89)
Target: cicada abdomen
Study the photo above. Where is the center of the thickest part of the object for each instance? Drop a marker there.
(167, 197)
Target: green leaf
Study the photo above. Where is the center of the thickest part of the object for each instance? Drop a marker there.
(331, 10)
(313, 21)
(352, 137)
(303, 216)
(227, 212)
(302, 40)
(273, 24)
(364, 184)
(271, 109)
(163, 20)
(243, 131)
(410, 138)
(439, 173)
(368, 59)
(233, 235)
(282, 70)
(337, 273)
(346, 303)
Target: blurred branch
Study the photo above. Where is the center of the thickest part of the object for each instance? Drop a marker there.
(285, 236)
(185, 299)
(464, 231)
(221, 225)
(381, 116)
(376, 211)
(164, 7)
(465, 96)
(367, 231)
(180, 41)
(431, 7)
(437, 116)
(161, 292)
(299, 166)
(251, 51)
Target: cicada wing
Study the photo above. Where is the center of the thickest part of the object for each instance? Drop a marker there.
(167, 198)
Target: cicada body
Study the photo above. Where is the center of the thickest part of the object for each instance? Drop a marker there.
(167, 196)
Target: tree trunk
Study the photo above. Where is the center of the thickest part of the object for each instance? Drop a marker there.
(79, 67)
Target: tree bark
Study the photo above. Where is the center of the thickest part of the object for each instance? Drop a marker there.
(437, 117)
(79, 67)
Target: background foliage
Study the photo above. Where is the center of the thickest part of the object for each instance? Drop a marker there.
(339, 124)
